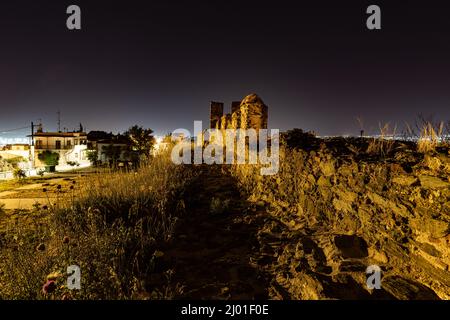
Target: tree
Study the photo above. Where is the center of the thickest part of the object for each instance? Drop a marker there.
(50, 159)
(112, 153)
(92, 156)
(131, 156)
(99, 135)
(141, 139)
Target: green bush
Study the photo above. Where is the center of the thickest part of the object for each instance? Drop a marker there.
(50, 159)
(219, 206)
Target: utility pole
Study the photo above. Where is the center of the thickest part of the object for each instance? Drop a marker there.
(59, 120)
(32, 134)
(32, 145)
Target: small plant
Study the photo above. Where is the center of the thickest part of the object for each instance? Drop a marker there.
(384, 143)
(36, 206)
(2, 208)
(19, 174)
(219, 206)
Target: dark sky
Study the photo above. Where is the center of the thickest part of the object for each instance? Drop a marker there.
(159, 63)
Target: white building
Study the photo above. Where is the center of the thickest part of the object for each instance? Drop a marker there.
(12, 151)
(71, 147)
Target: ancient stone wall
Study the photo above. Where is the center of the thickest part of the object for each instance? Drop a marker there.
(254, 113)
(235, 106)
(394, 214)
(250, 113)
(216, 114)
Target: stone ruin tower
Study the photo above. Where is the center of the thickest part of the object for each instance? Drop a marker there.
(250, 113)
(215, 114)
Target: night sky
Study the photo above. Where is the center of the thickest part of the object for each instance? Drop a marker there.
(159, 63)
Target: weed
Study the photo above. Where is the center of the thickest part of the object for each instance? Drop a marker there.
(113, 222)
(384, 143)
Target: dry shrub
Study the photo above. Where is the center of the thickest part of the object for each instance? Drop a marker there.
(297, 138)
(384, 143)
(428, 133)
(430, 137)
(110, 227)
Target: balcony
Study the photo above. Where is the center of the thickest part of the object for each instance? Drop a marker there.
(52, 147)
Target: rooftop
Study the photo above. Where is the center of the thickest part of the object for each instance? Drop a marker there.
(59, 134)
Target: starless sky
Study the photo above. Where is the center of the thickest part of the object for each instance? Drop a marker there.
(159, 63)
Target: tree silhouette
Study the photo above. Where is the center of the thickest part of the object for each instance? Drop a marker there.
(141, 140)
(112, 153)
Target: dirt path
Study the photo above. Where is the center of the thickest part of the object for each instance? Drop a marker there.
(24, 203)
(9, 200)
(213, 250)
(7, 193)
(25, 197)
(30, 186)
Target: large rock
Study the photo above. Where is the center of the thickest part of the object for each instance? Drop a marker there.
(388, 205)
(404, 180)
(351, 246)
(430, 182)
(435, 228)
(327, 168)
(406, 289)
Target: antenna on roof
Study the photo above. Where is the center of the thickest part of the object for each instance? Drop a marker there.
(39, 126)
(59, 120)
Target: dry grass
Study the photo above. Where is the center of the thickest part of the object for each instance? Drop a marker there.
(384, 143)
(110, 227)
(430, 137)
(428, 133)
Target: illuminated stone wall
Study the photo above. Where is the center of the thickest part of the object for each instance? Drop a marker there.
(250, 113)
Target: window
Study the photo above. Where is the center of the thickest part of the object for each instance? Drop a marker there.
(38, 144)
(58, 144)
(69, 143)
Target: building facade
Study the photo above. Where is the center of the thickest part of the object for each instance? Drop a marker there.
(71, 147)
